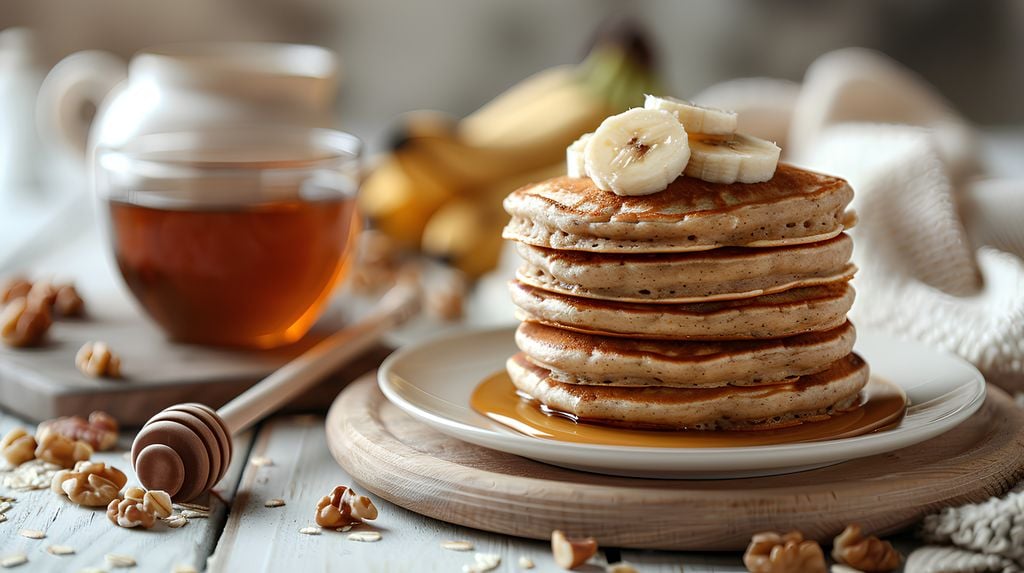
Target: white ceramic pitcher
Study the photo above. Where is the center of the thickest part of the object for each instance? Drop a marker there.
(186, 86)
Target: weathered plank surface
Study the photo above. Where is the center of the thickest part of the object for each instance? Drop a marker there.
(92, 536)
(257, 538)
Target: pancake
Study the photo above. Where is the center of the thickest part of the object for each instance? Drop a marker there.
(794, 207)
(610, 361)
(727, 273)
(792, 312)
(807, 398)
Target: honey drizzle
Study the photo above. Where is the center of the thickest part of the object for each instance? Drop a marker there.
(882, 406)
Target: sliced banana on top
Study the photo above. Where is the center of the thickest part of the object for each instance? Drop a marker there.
(737, 158)
(695, 118)
(575, 164)
(637, 152)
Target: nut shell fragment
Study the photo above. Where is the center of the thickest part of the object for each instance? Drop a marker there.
(344, 507)
(869, 554)
(770, 552)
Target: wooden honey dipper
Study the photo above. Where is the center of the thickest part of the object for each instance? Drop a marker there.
(186, 448)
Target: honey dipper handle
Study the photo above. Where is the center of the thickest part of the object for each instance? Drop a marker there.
(269, 394)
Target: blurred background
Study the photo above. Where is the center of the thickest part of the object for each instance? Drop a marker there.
(455, 55)
(929, 114)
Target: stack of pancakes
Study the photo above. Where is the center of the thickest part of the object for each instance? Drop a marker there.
(704, 306)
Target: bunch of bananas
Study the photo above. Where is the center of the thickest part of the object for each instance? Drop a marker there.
(440, 188)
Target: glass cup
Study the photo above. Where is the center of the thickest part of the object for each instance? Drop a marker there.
(232, 237)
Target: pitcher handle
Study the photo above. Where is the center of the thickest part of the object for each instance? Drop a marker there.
(77, 85)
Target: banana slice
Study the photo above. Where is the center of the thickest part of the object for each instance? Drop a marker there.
(695, 118)
(637, 152)
(738, 158)
(575, 164)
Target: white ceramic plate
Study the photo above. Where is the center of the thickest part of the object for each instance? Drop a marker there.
(433, 380)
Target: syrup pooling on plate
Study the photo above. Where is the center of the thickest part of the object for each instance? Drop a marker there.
(882, 405)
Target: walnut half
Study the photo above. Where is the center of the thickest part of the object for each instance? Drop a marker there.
(130, 512)
(67, 302)
(344, 507)
(24, 323)
(18, 446)
(99, 431)
(93, 484)
(96, 359)
(770, 552)
(60, 450)
(14, 287)
(869, 554)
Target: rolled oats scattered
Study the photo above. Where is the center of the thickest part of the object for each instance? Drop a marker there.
(3, 517)
(457, 545)
(364, 536)
(60, 550)
(276, 502)
(13, 560)
(345, 527)
(620, 567)
(32, 533)
(5, 506)
(183, 569)
(525, 562)
(310, 530)
(192, 514)
(194, 506)
(7, 499)
(31, 475)
(119, 560)
(261, 461)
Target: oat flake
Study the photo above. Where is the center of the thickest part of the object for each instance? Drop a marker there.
(364, 536)
(60, 550)
(32, 533)
(120, 560)
(13, 560)
(310, 530)
(482, 563)
(276, 502)
(457, 545)
(261, 461)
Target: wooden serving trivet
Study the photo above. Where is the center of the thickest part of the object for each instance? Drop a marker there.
(413, 466)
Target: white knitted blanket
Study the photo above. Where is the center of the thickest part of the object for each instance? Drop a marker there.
(938, 246)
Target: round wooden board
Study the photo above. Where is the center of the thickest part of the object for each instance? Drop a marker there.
(418, 468)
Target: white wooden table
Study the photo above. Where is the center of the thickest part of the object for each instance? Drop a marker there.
(242, 534)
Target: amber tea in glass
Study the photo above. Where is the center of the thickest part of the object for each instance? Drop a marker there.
(233, 238)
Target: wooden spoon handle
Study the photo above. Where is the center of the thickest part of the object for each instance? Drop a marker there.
(269, 394)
